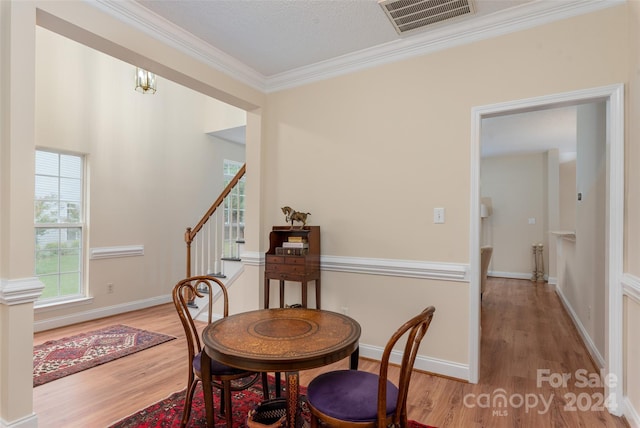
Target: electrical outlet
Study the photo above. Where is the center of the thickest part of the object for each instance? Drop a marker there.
(345, 310)
(110, 288)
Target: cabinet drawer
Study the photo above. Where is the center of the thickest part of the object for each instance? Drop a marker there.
(275, 259)
(285, 268)
(293, 260)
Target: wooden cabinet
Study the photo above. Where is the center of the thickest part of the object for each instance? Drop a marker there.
(286, 262)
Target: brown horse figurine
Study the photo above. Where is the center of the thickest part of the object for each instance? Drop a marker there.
(292, 215)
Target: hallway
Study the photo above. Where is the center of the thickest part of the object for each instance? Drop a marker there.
(531, 349)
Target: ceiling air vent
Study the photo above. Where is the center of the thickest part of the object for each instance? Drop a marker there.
(408, 15)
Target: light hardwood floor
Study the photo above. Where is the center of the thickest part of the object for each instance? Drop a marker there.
(524, 328)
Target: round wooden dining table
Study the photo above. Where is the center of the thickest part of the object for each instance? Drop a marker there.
(279, 340)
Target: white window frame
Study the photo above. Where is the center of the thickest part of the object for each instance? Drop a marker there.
(62, 226)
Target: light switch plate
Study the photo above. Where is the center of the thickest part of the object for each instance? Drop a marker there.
(438, 215)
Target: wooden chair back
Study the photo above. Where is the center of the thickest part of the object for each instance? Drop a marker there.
(199, 286)
(414, 330)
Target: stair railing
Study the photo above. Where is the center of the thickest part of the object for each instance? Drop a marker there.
(211, 236)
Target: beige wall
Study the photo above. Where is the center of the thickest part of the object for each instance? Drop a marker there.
(517, 185)
(372, 164)
(632, 215)
(152, 170)
(568, 196)
(581, 276)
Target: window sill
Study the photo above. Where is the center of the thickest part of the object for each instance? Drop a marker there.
(61, 304)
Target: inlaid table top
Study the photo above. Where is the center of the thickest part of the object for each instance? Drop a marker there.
(283, 339)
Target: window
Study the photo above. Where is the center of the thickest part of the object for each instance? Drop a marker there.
(233, 210)
(59, 224)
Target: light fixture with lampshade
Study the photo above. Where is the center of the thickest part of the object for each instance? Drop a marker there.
(145, 81)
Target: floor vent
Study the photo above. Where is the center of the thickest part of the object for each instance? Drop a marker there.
(409, 15)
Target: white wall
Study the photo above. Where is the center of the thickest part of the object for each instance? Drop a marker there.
(568, 196)
(152, 170)
(583, 281)
(517, 187)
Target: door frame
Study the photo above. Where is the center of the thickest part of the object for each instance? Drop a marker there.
(613, 95)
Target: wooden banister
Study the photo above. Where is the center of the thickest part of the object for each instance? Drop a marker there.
(191, 233)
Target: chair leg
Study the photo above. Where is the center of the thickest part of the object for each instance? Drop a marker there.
(314, 421)
(265, 386)
(227, 403)
(223, 399)
(278, 384)
(186, 412)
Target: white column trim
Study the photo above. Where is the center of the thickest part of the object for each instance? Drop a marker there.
(19, 291)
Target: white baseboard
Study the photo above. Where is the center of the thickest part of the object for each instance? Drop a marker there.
(427, 364)
(94, 314)
(630, 413)
(30, 421)
(591, 347)
(511, 275)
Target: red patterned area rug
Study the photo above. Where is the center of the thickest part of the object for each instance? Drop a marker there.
(167, 413)
(58, 358)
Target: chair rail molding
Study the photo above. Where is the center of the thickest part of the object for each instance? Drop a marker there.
(19, 291)
(631, 286)
(388, 267)
(113, 252)
(395, 267)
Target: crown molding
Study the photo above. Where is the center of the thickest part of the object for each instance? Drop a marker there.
(141, 18)
(518, 18)
(508, 21)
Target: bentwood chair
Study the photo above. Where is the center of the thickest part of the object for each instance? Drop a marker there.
(353, 398)
(223, 377)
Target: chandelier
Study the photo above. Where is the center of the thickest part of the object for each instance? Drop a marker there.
(145, 81)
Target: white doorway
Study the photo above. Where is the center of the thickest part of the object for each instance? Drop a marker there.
(613, 97)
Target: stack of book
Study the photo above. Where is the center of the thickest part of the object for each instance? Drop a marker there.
(294, 246)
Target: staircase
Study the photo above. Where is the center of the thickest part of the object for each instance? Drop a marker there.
(214, 245)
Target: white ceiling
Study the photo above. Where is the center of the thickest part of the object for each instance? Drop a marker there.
(277, 44)
(277, 36)
(531, 132)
